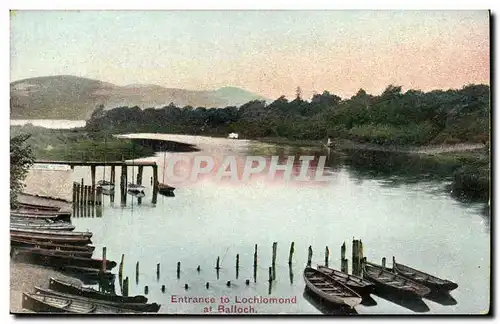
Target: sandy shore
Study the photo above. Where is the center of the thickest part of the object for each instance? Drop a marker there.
(23, 277)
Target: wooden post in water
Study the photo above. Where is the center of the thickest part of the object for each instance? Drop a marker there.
(178, 270)
(255, 264)
(356, 260)
(275, 248)
(327, 254)
(74, 194)
(237, 265)
(343, 260)
(270, 274)
(112, 175)
(139, 174)
(290, 255)
(123, 184)
(85, 193)
(309, 256)
(125, 287)
(157, 271)
(217, 263)
(155, 184)
(137, 272)
(92, 175)
(103, 269)
(81, 192)
(383, 262)
(120, 269)
(98, 196)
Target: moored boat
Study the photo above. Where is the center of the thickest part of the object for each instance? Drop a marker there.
(65, 237)
(330, 289)
(42, 303)
(73, 253)
(385, 280)
(38, 226)
(35, 217)
(166, 190)
(135, 187)
(38, 207)
(106, 186)
(434, 283)
(358, 284)
(68, 288)
(22, 211)
(49, 246)
(143, 307)
(51, 258)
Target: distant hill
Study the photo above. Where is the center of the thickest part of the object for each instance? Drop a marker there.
(71, 97)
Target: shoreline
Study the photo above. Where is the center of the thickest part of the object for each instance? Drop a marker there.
(24, 277)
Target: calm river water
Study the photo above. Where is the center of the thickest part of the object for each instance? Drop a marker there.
(395, 205)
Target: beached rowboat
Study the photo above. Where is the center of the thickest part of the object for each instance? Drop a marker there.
(142, 307)
(386, 280)
(358, 284)
(330, 289)
(51, 304)
(434, 283)
(65, 287)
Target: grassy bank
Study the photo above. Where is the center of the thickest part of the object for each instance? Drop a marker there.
(79, 145)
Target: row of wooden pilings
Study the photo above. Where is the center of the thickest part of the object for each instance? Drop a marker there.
(86, 195)
(357, 257)
(92, 194)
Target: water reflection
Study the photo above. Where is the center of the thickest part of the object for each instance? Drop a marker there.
(443, 298)
(412, 303)
(326, 307)
(290, 272)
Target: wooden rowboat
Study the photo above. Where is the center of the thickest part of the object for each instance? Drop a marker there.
(51, 258)
(434, 283)
(41, 303)
(386, 280)
(358, 284)
(33, 216)
(22, 211)
(68, 288)
(62, 237)
(73, 253)
(166, 190)
(142, 307)
(38, 207)
(49, 246)
(38, 226)
(330, 289)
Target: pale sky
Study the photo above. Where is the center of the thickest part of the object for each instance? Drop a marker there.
(267, 52)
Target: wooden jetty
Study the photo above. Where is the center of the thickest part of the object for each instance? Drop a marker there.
(91, 194)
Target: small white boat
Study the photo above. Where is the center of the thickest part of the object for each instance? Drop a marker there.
(106, 185)
(330, 289)
(135, 188)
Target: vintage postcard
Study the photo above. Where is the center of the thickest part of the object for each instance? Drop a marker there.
(320, 162)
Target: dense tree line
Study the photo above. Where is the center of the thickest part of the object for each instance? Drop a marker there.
(393, 117)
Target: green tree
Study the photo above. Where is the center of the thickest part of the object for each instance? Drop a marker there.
(21, 158)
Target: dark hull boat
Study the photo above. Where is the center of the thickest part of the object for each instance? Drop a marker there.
(434, 283)
(51, 258)
(142, 307)
(358, 284)
(38, 207)
(38, 220)
(44, 227)
(166, 190)
(34, 217)
(22, 211)
(65, 237)
(42, 303)
(137, 194)
(387, 281)
(71, 253)
(90, 276)
(50, 246)
(330, 289)
(68, 288)
(106, 185)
